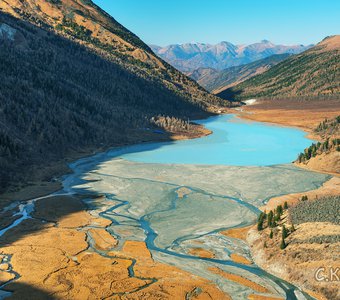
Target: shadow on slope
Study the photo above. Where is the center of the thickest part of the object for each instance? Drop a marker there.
(59, 97)
(26, 292)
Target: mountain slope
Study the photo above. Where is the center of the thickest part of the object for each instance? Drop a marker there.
(311, 73)
(74, 80)
(87, 24)
(190, 57)
(216, 81)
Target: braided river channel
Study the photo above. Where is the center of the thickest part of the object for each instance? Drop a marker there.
(180, 195)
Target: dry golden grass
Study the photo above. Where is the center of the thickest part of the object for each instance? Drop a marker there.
(237, 233)
(303, 114)
(200, 252)
(53, 257)
(240, 259)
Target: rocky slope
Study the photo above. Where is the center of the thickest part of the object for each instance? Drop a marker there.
(311, 73)
(217, 81)
(192, 56)
(74, 80)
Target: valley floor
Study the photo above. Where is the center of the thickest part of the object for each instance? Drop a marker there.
(71, 251)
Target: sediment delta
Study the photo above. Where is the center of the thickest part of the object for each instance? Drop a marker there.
(124, 229)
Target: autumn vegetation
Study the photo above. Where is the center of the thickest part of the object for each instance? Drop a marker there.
(67, 87)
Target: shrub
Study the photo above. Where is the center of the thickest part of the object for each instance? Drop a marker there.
(326, 209)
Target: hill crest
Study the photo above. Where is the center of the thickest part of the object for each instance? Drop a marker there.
(312, 73)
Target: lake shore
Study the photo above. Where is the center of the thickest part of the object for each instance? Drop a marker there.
(46, 179)
(305, 115)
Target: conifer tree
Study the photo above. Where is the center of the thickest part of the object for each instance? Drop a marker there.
(270, 219)
(284, 232)
(304, 198)
(283, 244)
(260, 221)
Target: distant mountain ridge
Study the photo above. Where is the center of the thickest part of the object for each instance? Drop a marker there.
(216, 81)
(192, 56)
(313, 73)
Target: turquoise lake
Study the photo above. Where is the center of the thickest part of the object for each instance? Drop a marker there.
(234, 142)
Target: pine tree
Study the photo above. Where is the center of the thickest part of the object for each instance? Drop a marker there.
(271, 234)
(270, 219)
(277, 217)
(284, 232)
(304, 198)
(285, 205)
(260, 221)
(283, 244)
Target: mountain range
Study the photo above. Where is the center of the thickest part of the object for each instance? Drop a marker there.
(313, 73)
(192, 56)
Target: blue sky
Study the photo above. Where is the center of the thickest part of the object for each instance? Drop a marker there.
(164, 22)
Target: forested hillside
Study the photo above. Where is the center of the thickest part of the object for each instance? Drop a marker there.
(324, 155)
(312, 73)
(217, 81)
(67, 87)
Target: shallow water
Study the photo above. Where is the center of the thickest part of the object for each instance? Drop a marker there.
(143, 195)
(234, 142)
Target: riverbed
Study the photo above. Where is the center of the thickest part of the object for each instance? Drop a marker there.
(179, 196)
